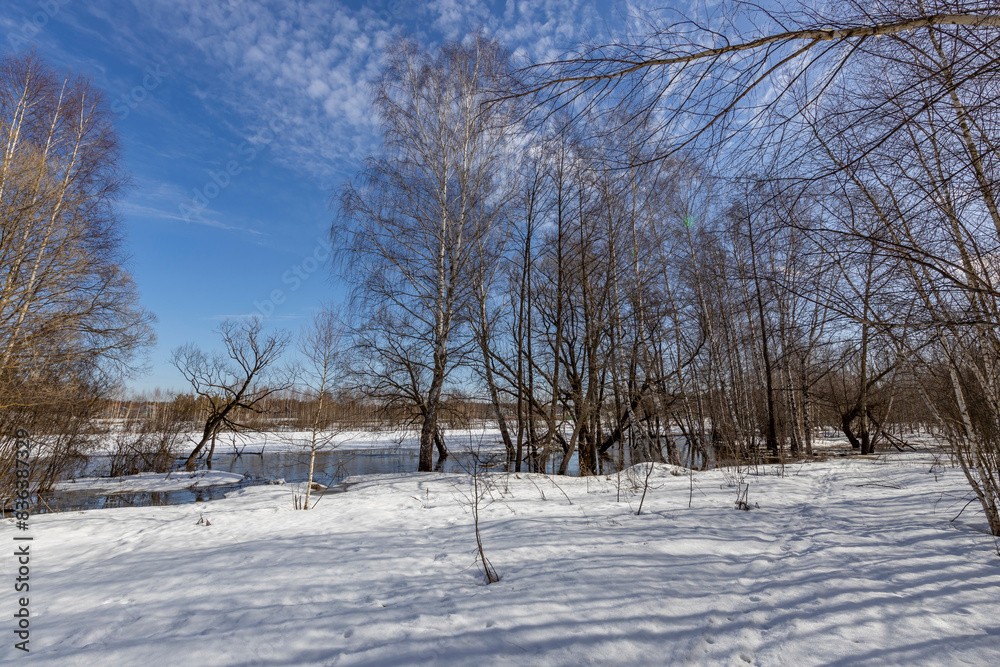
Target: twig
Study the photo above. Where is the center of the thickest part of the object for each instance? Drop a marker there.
(963, 509)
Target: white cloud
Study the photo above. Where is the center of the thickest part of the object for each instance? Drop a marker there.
(308, 63)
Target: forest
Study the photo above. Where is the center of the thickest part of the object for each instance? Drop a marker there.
(739, 241)
(680, 346)
(740, 244)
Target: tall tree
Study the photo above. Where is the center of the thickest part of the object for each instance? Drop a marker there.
(66, 298)
(417, 217)
(70, 320)
(722, 77)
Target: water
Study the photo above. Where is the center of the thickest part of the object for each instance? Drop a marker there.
(65, 501)
(332, 467)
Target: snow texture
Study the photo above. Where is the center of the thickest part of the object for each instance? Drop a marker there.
(842, 562)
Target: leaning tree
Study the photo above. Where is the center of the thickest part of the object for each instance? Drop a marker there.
(232, 387)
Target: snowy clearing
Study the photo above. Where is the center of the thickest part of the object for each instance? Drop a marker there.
(845, 562)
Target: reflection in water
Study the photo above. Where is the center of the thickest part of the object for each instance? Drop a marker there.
(64, 501)
(332, 467)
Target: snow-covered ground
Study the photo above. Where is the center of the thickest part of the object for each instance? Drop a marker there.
(842, 562)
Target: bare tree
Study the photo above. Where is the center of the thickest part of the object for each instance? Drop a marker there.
(418, 216)
(322, 347)
(65, 296)
(232, 386)
(724, 79)
(924, 205)
(70, 321)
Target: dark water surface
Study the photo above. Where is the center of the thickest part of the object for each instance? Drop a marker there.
(332, 467)
(270, 467)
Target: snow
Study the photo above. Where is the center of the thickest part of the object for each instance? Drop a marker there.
(841, 562)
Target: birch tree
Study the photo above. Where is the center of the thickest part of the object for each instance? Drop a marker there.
(322, 348)
(71, 325)
(415, 219)
(66, 297)
(724, 78)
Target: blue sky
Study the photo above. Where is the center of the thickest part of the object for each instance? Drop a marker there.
(239, 120)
